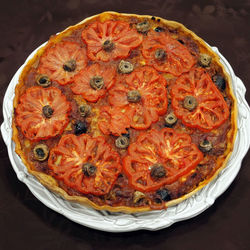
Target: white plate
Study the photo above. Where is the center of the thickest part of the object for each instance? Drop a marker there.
(155, 220)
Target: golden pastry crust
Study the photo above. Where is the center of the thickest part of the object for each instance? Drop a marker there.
(52, 184)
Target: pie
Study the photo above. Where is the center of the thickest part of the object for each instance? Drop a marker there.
(124, 113)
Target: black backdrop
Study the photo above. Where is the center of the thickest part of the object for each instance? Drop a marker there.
(25, 223)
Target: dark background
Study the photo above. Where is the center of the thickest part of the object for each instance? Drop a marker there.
(25, 223)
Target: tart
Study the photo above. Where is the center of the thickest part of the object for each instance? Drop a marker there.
(124, 113)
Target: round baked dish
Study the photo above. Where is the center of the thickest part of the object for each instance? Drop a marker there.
(124, 113)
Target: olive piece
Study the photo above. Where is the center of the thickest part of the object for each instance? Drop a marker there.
(138, 196)
(122, 142)
(190, 103)
(205, 60)
(108, 45)
(170, 120)
(70, 65)
(160, 54)
(80, 127)
(143, 27)
(43, 80)
(205, 146)
(219, 81)
(134, 96)
(41, 152)
(89, 169)
(159, 29)
(164, 194)
(85, 110)
(47, 111)
(157, 171)
(125, 67)
(96, 82)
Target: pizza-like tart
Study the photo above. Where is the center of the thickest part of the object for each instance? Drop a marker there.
(124, 113)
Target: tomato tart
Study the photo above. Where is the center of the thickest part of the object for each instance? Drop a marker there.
(124, 113)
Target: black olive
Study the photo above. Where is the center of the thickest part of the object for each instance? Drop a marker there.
(180, 41)
(70, 65)
(43, 80)
(89, 169)
(153, 18)
(158, 171)
(219, 81)
(80, 127)
(170, 120)
(205, 146)
(160, 54)
(143, 27)
(134, 96)
(158, 20)
(190, 103)
(96, 82)
(85, 110)
(41, 152)
(125, 67)
(122, 142)
(205, 60)
(108, 45)
(47, 111)
(164, 194)
(159, 29)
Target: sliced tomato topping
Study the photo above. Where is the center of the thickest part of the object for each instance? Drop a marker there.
(152, 100)
(173, 152)
(86, 164)
(31, 114)
(166, 54)
(110, 40)
(211, 110)
(93, 82)
(114, 120)
(62, 61)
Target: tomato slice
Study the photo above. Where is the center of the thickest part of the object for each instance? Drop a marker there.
(176, 60)
(211, 110)
(153, 96)
(30, 117)
(175, 152)
(110, 40)
(73, 153)
(82, 82)
(55, 59)
(114, 120)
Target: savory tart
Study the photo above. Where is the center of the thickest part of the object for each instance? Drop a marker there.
(124, 113)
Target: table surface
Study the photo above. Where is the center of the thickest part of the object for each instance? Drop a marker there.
(25, 223)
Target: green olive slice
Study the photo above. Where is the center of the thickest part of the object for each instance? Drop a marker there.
(41, 152)
(160, 54)
(47, 111)
(133, 96)
(70, 65)
(122, 142)
(205, 146)
(125, 67)
(43, 80)
(89, 169)
(108, 45)
(170, 119)
(96, 82)
(138, 196)
(158, 171)
(85, 110)
(205, 60)
(190, 103)
(143, 27)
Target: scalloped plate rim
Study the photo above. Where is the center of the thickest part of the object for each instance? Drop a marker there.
(112, 225)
